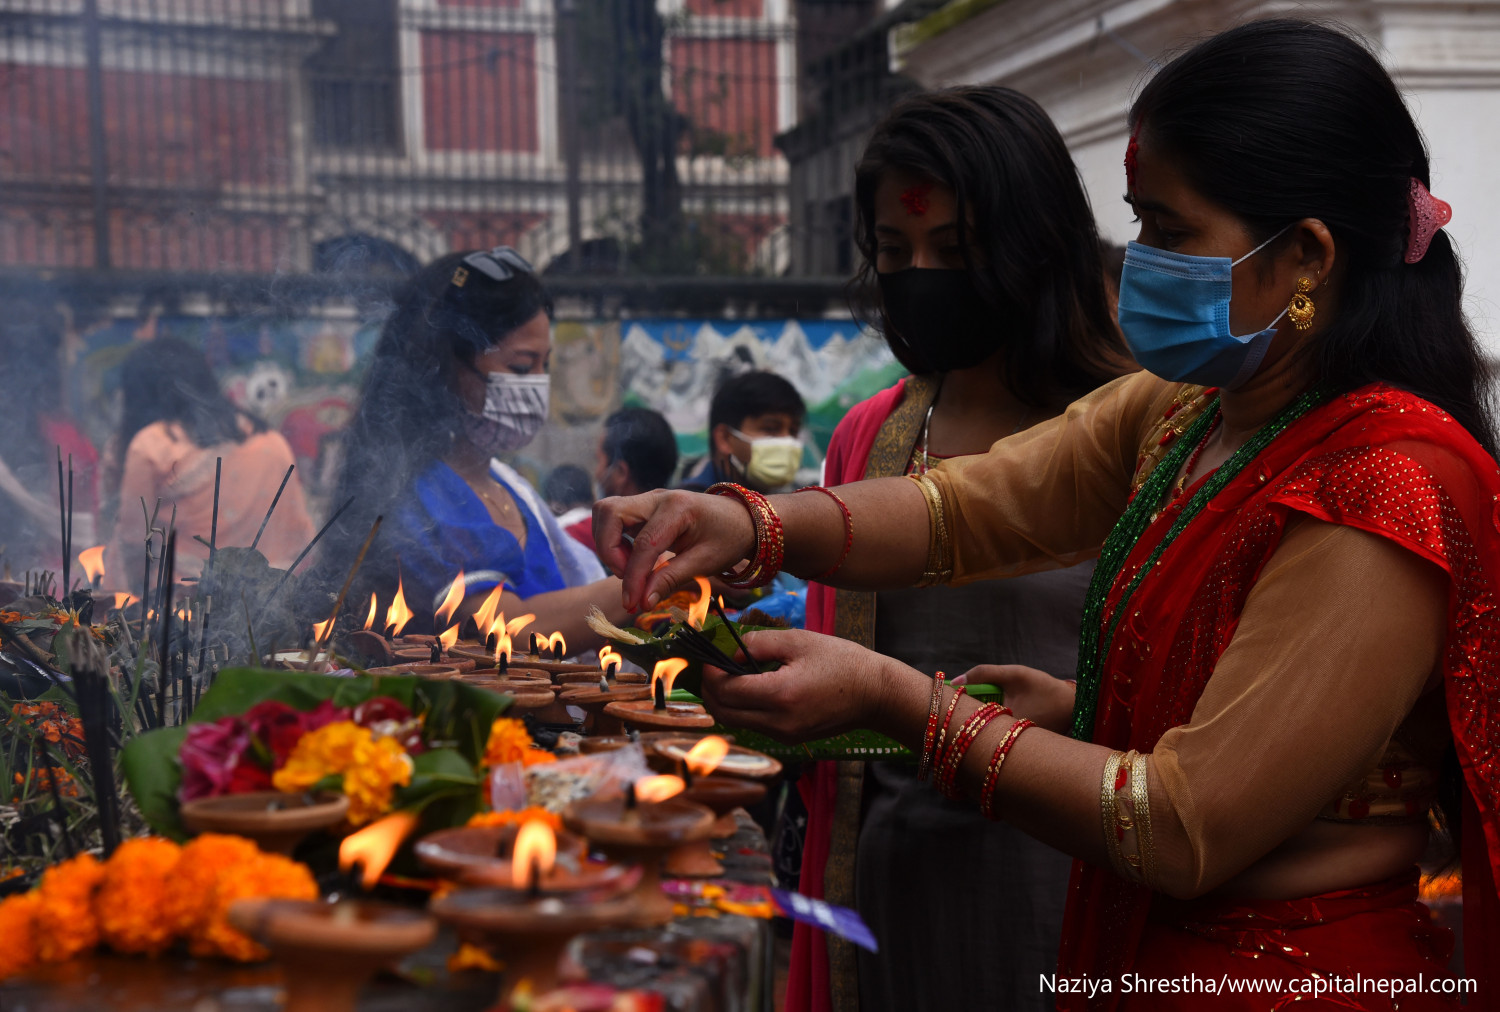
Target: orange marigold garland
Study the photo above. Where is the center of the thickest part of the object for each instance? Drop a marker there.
(269, 875)
(132, 898)
(65, 920)
(510, 742)
(18, 929)
(201, 864)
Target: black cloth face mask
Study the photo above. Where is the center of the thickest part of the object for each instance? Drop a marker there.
(936, 320)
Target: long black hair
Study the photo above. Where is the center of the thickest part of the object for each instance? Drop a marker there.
(1283, 119)
(1025, 228)
(409, 414)
(169, 380)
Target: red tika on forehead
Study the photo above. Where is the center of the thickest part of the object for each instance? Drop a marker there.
(1130, 153)
(914, 199)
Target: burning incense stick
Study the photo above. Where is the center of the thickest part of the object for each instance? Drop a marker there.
(718, 606)
(339, 603)
(310, 545)
(284, 479)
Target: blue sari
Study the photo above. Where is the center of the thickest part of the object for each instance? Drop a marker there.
(442, 527)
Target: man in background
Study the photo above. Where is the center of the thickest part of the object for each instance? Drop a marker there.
(754, 422)
(637, 453)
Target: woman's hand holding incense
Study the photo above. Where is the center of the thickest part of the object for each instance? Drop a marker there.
(1033, 694)
(824, 686)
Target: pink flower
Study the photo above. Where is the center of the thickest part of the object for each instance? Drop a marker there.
(209, 755)
(323, 714)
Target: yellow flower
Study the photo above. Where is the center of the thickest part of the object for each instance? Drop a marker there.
(372, 768)
(202, 862)
(131, 903)
(65, 921)
(472, 957)
(18, 928)
(510, 742)
(267, 875)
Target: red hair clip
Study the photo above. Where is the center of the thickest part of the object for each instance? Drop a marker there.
(1425, 215)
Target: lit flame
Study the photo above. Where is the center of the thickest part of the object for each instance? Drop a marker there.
(557, 644)
(124, 600)
(449, 638)
(515, 625)
(536, 846)
(667, 670)
(398, 614)
(373, 847)
(698, 610)
(484, 618)
(503, 648)
(92, 561)
(608, 655)
(704, 757)
(370, 620)
(660, 788)
(320, 630)
(454, 599)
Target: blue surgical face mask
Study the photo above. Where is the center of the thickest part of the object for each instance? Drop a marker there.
(1174, 313)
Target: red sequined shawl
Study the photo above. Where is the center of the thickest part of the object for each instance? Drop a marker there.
(1378, 459)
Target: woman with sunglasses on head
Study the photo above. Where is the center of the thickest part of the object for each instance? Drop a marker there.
(982, 267)
(1289, 650)
(459, 379)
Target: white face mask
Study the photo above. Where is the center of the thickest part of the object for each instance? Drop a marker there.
(515, 408)
(773, 460)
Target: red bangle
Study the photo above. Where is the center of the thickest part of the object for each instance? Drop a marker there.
(942, 736)
(770, 538)
(848, 529)
(992, 775)
(947, 780)
(929, 736)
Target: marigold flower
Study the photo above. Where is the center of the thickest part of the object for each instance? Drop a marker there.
(65, 921)
(41, 781)
(510, 742)
(131, 902)
(200, 865)
(56, 725)
(268, 875)
(372, 768)
(18, 928)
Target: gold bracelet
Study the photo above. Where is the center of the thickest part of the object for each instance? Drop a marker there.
(939, 544)
(1107, 805)
(1140, 792)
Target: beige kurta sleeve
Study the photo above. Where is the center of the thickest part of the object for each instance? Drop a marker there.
(1047, 497)
(1337, 640)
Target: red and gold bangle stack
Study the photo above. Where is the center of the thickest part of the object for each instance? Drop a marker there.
(929, 737)
(942, 736)
(992, 775)
(770, 539)
(952, 757)
(848, 529)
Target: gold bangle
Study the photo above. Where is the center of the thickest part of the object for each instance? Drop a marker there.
(939, 543)
(1107, 806)
(1140, 792)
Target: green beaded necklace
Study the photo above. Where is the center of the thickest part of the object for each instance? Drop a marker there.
(1094, 640)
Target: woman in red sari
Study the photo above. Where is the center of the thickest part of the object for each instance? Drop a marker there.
(1001, 315)
(1289, 651)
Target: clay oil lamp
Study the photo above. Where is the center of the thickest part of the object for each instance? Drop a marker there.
(329, 951)
(611, 742)
(667, 753)
(277, 822)
(526, 921)
(608, 675)
(642, 827)
(497, 640)
(719, 794)
(432, 672)
(483, 856)
(656, 714)
(547, 652)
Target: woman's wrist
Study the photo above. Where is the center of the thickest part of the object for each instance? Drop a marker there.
(900, 697)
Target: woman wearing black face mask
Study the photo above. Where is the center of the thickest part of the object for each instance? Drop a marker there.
(458, 381)
(982, 266)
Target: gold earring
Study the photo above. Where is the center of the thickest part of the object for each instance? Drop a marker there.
(1301, 309)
